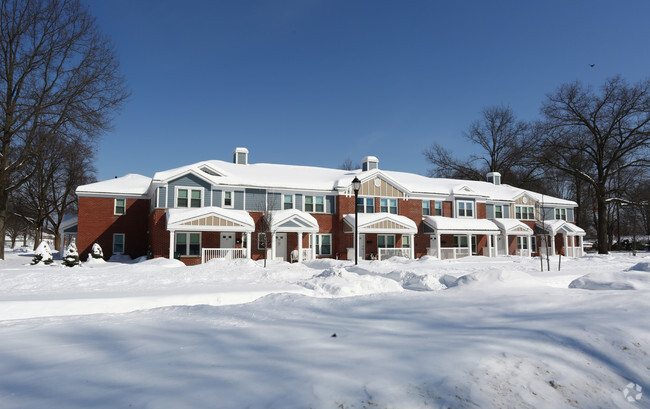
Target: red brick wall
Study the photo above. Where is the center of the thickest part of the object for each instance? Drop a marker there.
(158, 234)
(97, 224)
(448, 209)
(481, 211)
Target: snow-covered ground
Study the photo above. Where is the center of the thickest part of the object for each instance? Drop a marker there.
(472, 333)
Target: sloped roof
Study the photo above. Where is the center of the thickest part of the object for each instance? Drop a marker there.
(513, 225)
(449, 225)
(554, 226)
(293, 220)
(199, 219)
(382, 223)
(130, 184)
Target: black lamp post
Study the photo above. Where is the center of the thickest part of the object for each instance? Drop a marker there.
(356, 185)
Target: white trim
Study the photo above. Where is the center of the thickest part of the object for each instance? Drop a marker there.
(232, 199)
(115, 213)
(189, 196)
(123, 243)
(293, 200)
(388, 204)
(304, 203)
(187, 242)
(457, 202)
(527, 213)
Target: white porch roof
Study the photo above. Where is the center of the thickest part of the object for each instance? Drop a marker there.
(560, 226)
(293, 220)
(513, 227)
(382, 223)
(209, 219)
(449, 225)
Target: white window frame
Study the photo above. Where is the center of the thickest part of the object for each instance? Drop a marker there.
(368, 203)
(189, 196)
(427, 208)
(496, 216)
(284, 202)
(437, 205)
(314, 203)
(522, 243)
(533, 244)
(187, 243)
(388, 206)
(115, 206)
(319, 243)
(465, 202)
(260, 241)
(530, 211)
(123, 243)
(386, 236)
(560, 213)
(458, 238)
(408, 240)
(232, 199)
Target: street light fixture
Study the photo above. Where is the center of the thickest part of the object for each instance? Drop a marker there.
(356, 185)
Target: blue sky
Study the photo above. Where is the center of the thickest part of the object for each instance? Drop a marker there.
(315, 82)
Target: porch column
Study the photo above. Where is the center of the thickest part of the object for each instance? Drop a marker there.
(488, 240)
(582, 247)
(273, 246)
(412, 246)
(469, 244)
(566, 243)
(299, 247)
(438, 245)
(506, 246)
(530, 249)
(249, 244)
(552, 244)
(313, 246)
(495, 241)
(171, 245)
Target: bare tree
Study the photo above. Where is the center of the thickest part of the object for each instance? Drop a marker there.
(270, 205)
(59, 78)
(609, 131)
(501, 139)
(348, 165)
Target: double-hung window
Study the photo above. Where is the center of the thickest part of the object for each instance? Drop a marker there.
(525, 212)
(498, 211)
(287, 202)
(560, 214)
(465, 208)
(406, 241)
(365, 205)
(323, 244)
(188, 197)
(437, 208)
(188, 244)
(522, 243)
(118, 243)
(386, 241)
(261, 241)
(388, 206)
(426, 208)
(228, 201)
(315, 204)
(120, 207)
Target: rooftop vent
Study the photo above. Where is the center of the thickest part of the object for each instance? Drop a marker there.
(240, 156)
(494, 178)
(370, 163)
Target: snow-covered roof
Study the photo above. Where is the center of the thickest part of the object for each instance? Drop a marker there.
(513, 225)
(554, 226)
(382, 222)
(209, 219)
(450, 225)
(127, 185)
(293, 220)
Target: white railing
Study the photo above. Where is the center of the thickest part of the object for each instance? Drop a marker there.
(573, 252)
(432, 251)
(306, 254)
(454, 252)
(523, 252)
(385, 254)
(228, 254)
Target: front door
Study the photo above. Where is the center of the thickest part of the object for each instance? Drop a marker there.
(227, 241)
(281, 246)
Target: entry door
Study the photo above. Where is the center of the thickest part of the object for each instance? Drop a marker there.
(281, 246)
(362, 246)
(227, 240)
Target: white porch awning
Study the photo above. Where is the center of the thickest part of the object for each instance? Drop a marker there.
(209, 219)
(381, 223)
(293, 220)
(513, 227)
(449, 225)
(554, 227)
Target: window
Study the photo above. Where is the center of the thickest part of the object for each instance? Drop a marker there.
(188, 244)
(227, 199)
(498, 211)
(525, 212)
(288, 202)
(315, 204)
(426, 208)
(191, 197)
(261, 241)
(560, 214)
(460, 241)
(465, 208)
(386, 241)
(118, 243)
(365, 205)
(437, 211)
(522, 243)
(406, 241)
(388, 206)
(533, 244)
(323, 244)
(120, 206)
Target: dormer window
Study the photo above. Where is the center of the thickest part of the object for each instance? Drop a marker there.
(370, 163)
(240, 156)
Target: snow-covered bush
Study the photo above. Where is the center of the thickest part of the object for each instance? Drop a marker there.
(71, 257)
(97, 251)
(43, 254)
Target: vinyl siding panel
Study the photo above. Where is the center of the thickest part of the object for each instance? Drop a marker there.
(298, 201)
(569, 215)
(188, 180)
(217, 198)
(255, 200)
(330, 205)
(489, 211)
(162, 197)
(239, 200)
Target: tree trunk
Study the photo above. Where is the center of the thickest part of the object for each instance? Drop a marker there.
(4, 212)
(602, 224)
